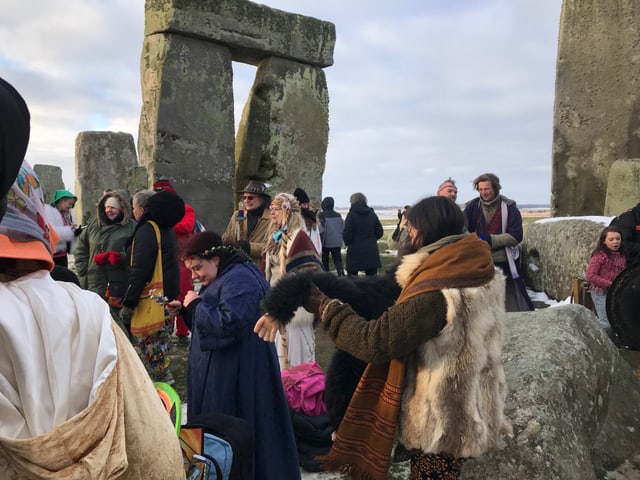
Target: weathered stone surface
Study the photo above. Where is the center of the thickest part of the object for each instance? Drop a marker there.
(574, 403)
(557, 249)
(623, 186)
(50, 179)
(250, 30)
(187, 126)
(103, 160)
(596, 113)
(284, 131)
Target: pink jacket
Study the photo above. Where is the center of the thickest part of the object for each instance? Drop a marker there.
(603, 268)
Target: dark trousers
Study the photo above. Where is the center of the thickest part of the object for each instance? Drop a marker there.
(336, 256)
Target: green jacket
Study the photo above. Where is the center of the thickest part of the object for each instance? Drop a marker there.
(103, 235)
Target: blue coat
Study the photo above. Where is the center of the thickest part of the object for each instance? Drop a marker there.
(232, 371)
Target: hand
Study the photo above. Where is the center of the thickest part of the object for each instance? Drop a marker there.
(267, 326)
(114, 258)
(190, 297)
(77, 231)
(101, 258)
(174, 307)
(316, 301)
(125, 315)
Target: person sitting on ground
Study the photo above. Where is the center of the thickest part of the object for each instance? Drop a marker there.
(249, 225)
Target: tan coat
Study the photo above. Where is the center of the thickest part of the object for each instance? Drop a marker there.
(236, 230)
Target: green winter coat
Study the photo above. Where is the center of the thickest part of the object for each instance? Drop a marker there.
(104, 235)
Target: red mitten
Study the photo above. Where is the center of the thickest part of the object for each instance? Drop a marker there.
(115, 258)
(101, 258)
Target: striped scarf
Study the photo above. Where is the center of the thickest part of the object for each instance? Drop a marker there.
(364, 440)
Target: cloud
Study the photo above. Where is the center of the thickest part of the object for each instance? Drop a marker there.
(419, 91)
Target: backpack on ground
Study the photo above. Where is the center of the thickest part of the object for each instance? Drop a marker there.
(217, 447)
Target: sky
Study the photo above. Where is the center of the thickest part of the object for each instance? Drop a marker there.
(419, 90)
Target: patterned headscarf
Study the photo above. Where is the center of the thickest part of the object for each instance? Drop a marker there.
(24, 232)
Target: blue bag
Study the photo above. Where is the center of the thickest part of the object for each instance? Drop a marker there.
(217, 447)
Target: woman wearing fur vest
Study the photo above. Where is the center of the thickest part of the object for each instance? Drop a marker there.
(434, 377)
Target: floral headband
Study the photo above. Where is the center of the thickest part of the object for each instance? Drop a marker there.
(286, 202)
(217, 251)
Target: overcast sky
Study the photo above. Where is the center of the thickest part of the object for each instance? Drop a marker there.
(419, 90)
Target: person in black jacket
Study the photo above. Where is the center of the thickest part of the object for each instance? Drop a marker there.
(629, 225)
(362, 229)
(165, 209)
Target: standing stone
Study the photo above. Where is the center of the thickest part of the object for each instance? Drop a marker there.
(284, 131)
(597, 109)
(187, 127)
(50, 179)
(103, 160)
(623, 186)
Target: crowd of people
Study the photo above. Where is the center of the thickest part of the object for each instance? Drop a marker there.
(139, 262)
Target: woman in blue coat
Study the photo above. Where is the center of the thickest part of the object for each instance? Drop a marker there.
(231, 370)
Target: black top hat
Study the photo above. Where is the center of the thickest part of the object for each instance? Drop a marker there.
(255, 186)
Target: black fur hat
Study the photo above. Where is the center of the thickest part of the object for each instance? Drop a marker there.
(166, 208)
(301, 195)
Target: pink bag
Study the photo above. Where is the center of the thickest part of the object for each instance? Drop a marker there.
(304, 388)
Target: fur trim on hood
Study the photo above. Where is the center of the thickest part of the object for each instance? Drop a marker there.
(125, 208)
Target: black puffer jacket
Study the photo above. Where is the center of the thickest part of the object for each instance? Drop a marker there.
(362, 229)
(166, 209)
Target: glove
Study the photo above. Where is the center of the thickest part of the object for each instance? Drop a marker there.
(125, 315)
(77, 231)
(316, 301)
(245, 245)
(114, 258)
(486, 238)
(101, 258)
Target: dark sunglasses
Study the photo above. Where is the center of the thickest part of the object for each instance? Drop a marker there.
(248, 197)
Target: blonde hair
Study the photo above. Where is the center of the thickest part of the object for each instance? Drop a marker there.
(291, 221)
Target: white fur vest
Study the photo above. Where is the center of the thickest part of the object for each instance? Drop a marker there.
(455, 388)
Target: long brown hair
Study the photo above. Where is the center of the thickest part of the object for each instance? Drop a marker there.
(601, 247)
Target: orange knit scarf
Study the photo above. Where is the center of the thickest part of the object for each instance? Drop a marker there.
(364, 439)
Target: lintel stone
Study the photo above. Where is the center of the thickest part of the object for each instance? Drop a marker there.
(251, 31)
